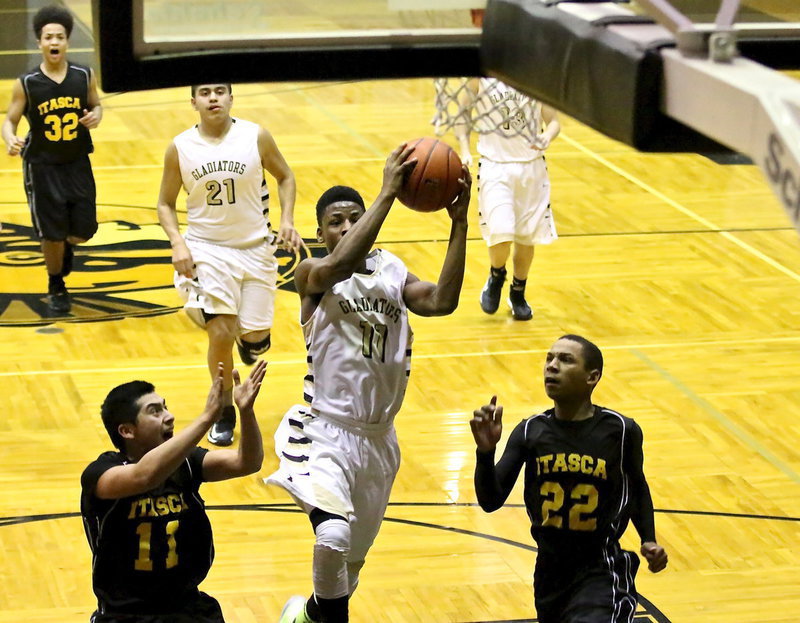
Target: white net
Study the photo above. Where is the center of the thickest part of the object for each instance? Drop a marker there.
(486, 106)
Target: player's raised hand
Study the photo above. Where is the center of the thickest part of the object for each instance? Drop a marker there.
(214, 401)
(487, 425)
(458, 210)
(182, 259)
(397, 168)
(655, 555)
(90, 119)
(244, 394)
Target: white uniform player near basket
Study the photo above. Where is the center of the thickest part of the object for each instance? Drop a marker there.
(339, 454)
(225, 266)
(513, 185)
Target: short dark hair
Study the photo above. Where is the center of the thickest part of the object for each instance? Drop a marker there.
(52, 15)
(335, 194)
(592, 356)
(227, 84)
(121, 407)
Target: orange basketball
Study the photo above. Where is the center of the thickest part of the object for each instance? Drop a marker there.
(433, 184)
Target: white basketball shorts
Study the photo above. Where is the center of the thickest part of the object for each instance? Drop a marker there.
(514, 202)
(335, 468)
(240, 282)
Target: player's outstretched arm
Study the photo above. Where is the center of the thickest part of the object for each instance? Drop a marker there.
(317, 276)
(160, 462)
(168, 214)
(493, 483)
(428, 299)
(247, 459)
(16, 108)
(275, 164)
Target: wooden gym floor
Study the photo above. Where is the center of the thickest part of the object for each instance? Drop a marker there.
(685, 272)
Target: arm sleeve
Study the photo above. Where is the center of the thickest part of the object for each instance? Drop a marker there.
(493, 482)
(642, 513)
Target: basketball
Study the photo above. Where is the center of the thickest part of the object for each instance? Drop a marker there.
(433, 184)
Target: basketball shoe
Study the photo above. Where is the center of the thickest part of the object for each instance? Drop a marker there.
(294, 611)
(520, 309)
(490, 295)
(221, 433)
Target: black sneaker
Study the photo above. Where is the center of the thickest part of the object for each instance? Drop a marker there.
(58, 302)
(490, 295)
(520, 309)
(221, 433)
(247, 357)
(66, 263)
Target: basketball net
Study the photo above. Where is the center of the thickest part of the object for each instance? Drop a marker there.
(458, 104)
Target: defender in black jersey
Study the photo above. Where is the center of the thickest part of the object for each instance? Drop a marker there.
(142, 512)
(583, 483)
(60, 101)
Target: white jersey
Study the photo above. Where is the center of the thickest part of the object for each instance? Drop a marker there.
(359, 346)
(226, 186)
(500, 102)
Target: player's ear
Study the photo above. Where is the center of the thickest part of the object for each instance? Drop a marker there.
(126, 430)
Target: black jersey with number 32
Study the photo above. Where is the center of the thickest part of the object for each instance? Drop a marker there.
(150, 550)
(53, 110)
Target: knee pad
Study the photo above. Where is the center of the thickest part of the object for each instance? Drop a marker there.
(353, 569)
(330, 555)
(256, 348)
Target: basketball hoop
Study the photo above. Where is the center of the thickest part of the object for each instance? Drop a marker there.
(459, 103)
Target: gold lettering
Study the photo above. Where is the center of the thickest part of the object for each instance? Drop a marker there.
(560, 464)
(600, 470)
(161, 505)
(174, 503)
(574, 462)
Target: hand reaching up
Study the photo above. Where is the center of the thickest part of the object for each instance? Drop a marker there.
(244, 394)
(487, 425)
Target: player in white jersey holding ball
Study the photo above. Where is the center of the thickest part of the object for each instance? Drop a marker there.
(339, 455)
(225, 266)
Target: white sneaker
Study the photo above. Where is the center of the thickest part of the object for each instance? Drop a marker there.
(294, 611)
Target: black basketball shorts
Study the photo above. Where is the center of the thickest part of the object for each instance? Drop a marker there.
(62, 199)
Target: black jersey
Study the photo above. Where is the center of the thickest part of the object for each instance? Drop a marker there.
(583, 481)
(53, 110)
(150, 551)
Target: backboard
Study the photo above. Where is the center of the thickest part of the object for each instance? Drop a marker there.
(145, 44)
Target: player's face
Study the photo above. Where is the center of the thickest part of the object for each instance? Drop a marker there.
(565, 373)
(212, 101)
(337, 220)
(154, 423)
(53, 43)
